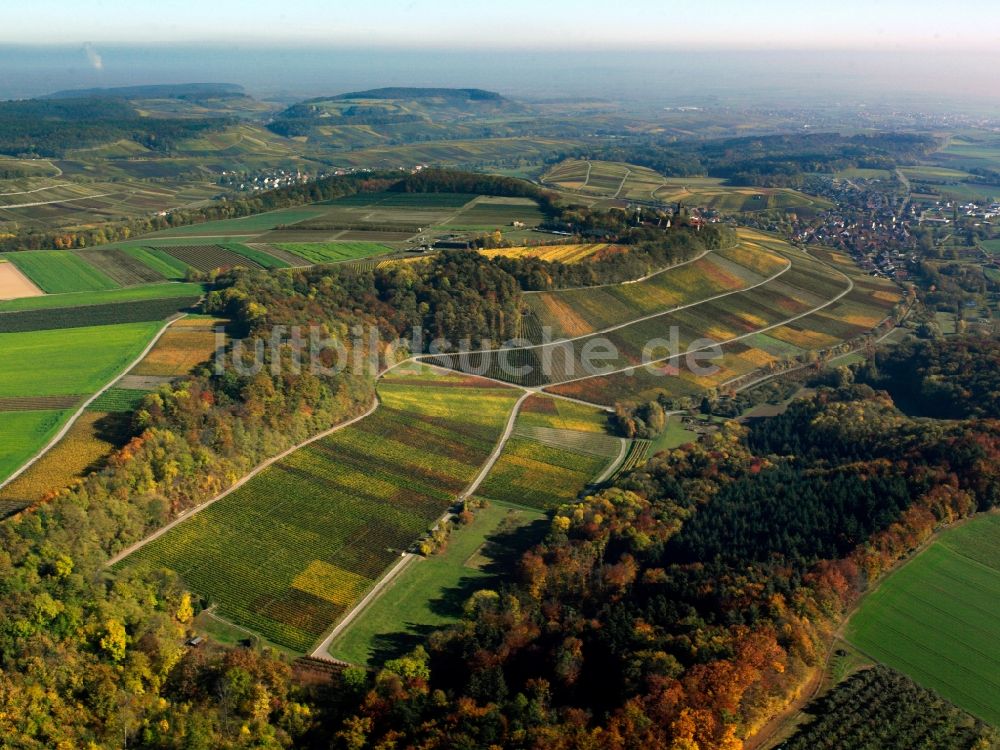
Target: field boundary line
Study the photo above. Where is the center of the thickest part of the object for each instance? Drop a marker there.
(321, 651)
(79, 412)
(844, 293)
(647, 277)
(65, 200)
(232, 488)
(615, 462)
(618, 326)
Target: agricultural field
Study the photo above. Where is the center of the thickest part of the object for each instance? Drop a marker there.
(187, 343)
(577, 312)
(338, 511)
(22, 434)
(75, 361)
(935, 618)
(93, 315)
(486, 214)
(431, 591)
(549, 459)
(57, 271)
(605, 179)
(14, 284)
(334, 252)
(83, 299)
(568, 254)
(91, 438)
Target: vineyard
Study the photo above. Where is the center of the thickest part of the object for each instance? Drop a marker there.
(880, 708)
(155, 259)
(334, 252)
(186, 344)
(93, 315)
(89, 440)
(122, 268)
(931, 618)
(575, 312)
(339, 511)
(556, 450)
(118, 400)
(556, 253)
(209, 257)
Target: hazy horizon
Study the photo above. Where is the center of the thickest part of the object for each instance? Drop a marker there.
(736, 77)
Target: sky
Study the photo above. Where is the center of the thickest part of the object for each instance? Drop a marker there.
(538, 24)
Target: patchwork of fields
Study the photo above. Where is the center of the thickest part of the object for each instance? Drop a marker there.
(604, 181)
(76, 362)
(935, 618)
(339, 511)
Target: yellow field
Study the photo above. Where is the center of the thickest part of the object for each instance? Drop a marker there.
(179, 350)
(561, 253)
(80, 450)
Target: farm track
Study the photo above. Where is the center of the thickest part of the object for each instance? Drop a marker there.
(321, 651)
(647, 277)
(246, 478)
(83, 407)
(615, 462)
(741, 337)
(651, 316)
(52, 203)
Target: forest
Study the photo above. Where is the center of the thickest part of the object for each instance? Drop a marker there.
(51, 127)
(954, 378)
(650, 616)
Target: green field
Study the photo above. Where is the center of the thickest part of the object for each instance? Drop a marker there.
(75, 361)
(936, 619)
(23, 433)
(82, 299)
(118, 400)
(334, 252)
(431, 591)
(57, 271)
(339, 511)
(674, 435)
(166, 265)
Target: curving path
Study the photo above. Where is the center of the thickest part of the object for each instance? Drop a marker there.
(79, 412)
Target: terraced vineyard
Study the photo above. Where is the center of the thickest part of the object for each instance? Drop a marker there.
(576, 312)
(338, 511)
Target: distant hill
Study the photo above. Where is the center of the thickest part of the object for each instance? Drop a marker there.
(399, 114)
(161, 91)
(408, 94)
